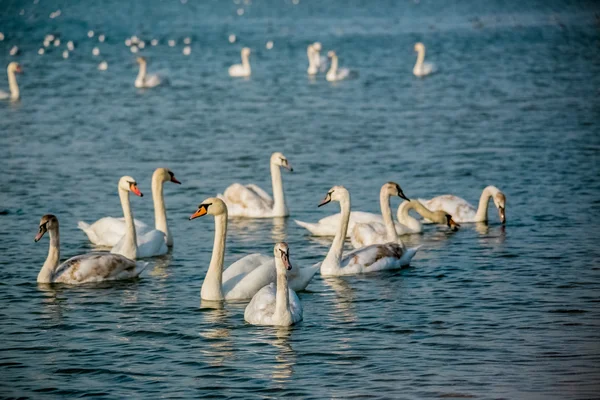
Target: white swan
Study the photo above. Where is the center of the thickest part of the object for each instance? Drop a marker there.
(313, 68)
(143, 80)
(463, 211)
(335, 73)
(319, 60)
(376, 257)
(422, 68)
(12, 69)
(276, 304)
(365, 234)
(108, 231)
(242, 279)
(251, 201)
(242, 69)
(93, 267)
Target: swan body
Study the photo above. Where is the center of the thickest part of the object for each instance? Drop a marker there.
(463, 211)
(108, 231)
(250, 201)
(276, 304)
(422, 68)
(335, 73)
(86, 268)
(14, 93)
(243, 69)
(365, 234)
(319, 60)
(313, 68)
(144, 80)
(242, 279)
(376, 257)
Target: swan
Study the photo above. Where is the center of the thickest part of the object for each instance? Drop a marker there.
(242, 69)
(251, 201)
(12, 69)
(143, 80)
(313, 68)
(376, 257)
(364, 234)
(108, 231)
(320, 61)
(242, 279)
(92, 267)
(422, 68)
(276, 304)
(463, 211)
(335, 73)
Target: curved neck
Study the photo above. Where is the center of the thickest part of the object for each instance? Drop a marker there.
(482, 209)
(405, 219)
(245, 61)
(334, 65)
(310, 52)
(386, 213)
(160, 213)
(142, 74)
(279, 206)
(334, 256)
(420, 58)
(12, 85)
(129, 249)
(47, 271)
(212, 287)
(282, 300)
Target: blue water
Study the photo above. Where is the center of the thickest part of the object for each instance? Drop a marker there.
(490, 311)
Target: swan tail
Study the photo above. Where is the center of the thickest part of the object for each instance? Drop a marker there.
(410, 253)
(86, 228)
(312, 228)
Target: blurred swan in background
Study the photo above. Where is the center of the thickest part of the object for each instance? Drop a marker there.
(422, 68)
(143, 80)
(463, 211)
(243, 69)
(335, 73)
(14, 94)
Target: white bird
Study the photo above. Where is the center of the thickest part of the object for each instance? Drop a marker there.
(463, 211)
(70, 45)
(1, 36)
(143, 80)
(14, 94)
(41, 51)
(92, 267)
(171, 43)
(269, 45)
(232, 38)
(187, 50)
(65, 54)
(128, 42)
(108, 231)
(187, 40)
(90, 34)
(103, 66)
(14, 51)
(312, 65)
(56, 42)
(243, 69)
(154, 42)
(376, 257)
(335, 73)
(96, 51)
(251, 201)
(101, 38)
(134, 49)
(276, 304)
(141, 44)
(319, 60)
(422, 68)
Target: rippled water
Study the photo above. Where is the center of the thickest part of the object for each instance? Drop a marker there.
(486, 312)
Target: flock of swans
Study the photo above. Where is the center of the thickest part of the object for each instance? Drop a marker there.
(316, 64)
(269, 282)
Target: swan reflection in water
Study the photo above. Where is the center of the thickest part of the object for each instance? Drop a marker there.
(345, 298)
(218, 335)
(247, 229)
(286, 356)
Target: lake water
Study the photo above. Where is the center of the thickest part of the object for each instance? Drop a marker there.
(487, 312)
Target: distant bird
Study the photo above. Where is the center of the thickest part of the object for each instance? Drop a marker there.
(154, 42)
(65, 54)
(143, 80)
(101, 38)
(269, 45)
(1, 36)
(187, 50)
(172, 43)
(103, 66)
(90, 34)
(243, 69)
(96, 51)
(41, 51)
(14, 51)
(12, 69)
(187, 40)
(232, 38)
(70, 45)
(335, 73)
(422, 68)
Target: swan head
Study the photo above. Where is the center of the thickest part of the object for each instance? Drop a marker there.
(141, 60)
(393, 189)
(166, 175)
(419, 47)
(282, 252)
(317, 46)
(331, 54)
(500, 202)
(278, 158)
(336, 193)
(210, 206)
(246, 51)
(14, 67)
(48, 222)
(450, 222)
(128, 184)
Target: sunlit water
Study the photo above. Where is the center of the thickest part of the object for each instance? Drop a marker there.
(486, 312)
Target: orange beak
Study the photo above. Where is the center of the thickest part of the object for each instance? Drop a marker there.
(135, 190)
(199, 212)
(174, 180)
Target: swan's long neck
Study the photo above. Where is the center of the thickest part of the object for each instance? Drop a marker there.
(160, 212)
(482, 209)
(420, 58)
(212, 288)
(130, 241)
(245, 61)
(334, 256)
(334, 66)
(406, 219)
(279, 206)
(310, 52)
(282, 300)
(47, 272)
(386, 213)
(13, 86)
(142, 74)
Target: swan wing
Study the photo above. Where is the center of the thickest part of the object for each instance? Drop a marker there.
(376, 257)
(97, 267)
(237, 70)
(299, 278)
(261, 308)
(152, 243)
(243, 201)
(245, 265)
(328, 226)
(108, 231)
(266, 197)
(152, 81)
(460, 209)
(246, 285)
(4, 95)
(365, 234)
